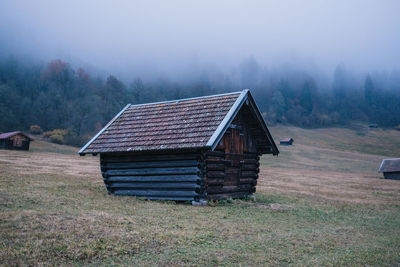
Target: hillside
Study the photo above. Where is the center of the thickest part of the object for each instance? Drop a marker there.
(320, 202)
(332, 163)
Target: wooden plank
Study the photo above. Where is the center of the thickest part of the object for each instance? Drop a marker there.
(156, 193)
(151, 164)
(215, 153)
(174, 178)
(138, 185)
(215, 174)
(215, 161)
(215, 167)
(250, 168)
(149, 157)
(251, 161)
(215, 182)
(250, 165)
(154, 171)
(249, 174)
(248, 181)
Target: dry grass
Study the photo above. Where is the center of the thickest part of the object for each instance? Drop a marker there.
(335, 186)
(332, 164)
(316, 205)
(49, 163)
(359, 139)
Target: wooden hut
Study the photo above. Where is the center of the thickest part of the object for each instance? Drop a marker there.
(197, 149)
(15, 140)
(390, 168)
(286, 141)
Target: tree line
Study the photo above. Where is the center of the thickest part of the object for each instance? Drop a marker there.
(57, 96)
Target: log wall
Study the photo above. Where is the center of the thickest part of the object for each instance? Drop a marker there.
(232, 169)
(11, 144)
(392, 175)
(155, 176)
(223, 183)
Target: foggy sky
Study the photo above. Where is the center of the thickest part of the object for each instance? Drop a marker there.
(151, 38)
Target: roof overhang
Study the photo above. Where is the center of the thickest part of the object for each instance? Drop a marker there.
(102, 130)
(11, 134)
(244, 98)
(390, 165)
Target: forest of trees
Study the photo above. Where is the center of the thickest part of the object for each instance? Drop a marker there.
(56, 96)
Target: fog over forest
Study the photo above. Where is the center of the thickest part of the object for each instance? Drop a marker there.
(180, 38)
(308, 63)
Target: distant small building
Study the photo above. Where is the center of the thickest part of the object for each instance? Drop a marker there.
(390, 168)
(373, 125)
(286, 141)
(15, 140)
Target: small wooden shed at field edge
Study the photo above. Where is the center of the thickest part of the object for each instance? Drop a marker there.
(390, 168)
(15, 140)
(196, 149)
(286, 141)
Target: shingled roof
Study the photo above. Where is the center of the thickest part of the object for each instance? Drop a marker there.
(10, 134)
(390, 165)
(180, 124)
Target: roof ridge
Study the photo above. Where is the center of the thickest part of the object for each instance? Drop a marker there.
(186, 99)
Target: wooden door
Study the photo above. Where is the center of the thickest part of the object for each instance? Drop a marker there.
(17, 140)
(234, 145)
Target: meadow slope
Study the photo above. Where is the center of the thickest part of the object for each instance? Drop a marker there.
(321, 202)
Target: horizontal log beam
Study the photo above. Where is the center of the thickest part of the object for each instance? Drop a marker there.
(250, 164)
(215, 153)
(214, 160)
(215, 167)
(215, 174)
(248, 181)
(154, 171)
(215, 182)
(151, 164)
(149, 157)
(137, 185)
(250, 168)
(249, 174)
(250, 161)
(166, 179)
(155, 193)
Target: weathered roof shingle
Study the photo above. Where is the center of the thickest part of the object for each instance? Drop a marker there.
(390, 165)
(180, 124)
(10, 134)
(167, 125)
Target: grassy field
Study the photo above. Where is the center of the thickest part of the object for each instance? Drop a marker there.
(321, 202)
